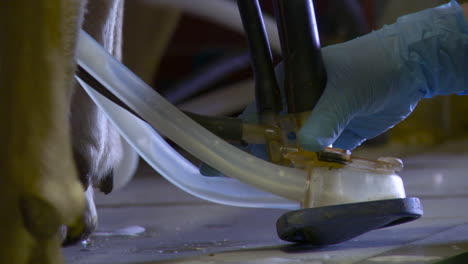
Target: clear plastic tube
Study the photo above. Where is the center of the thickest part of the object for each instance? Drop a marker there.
(177, 170)
(168, 120)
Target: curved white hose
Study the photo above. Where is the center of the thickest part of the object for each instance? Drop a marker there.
(168, 120)
(224, 13)
(176, 169)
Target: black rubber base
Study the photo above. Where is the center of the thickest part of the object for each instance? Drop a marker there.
(334, 224)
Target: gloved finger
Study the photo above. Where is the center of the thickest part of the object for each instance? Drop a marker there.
(366, 127)
(326, 122)
(348, 140)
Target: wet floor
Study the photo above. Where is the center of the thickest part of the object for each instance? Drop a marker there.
(151, 221)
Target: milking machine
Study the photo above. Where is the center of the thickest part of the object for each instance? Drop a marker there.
(333, 196)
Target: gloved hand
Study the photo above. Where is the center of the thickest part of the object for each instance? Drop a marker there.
(376, 81)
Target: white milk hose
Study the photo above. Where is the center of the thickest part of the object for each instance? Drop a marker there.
(172, 123)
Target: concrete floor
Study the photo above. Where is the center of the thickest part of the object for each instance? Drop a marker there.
(182, 229)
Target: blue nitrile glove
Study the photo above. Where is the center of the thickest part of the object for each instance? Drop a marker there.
(376, 81)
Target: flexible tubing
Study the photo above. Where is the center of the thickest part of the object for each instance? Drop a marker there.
(224, 13)
(176, 169)
(168, 120)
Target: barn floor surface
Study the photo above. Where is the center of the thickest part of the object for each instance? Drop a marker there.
(179, 228)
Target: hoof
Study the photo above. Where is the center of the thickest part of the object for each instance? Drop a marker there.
(84, 226)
